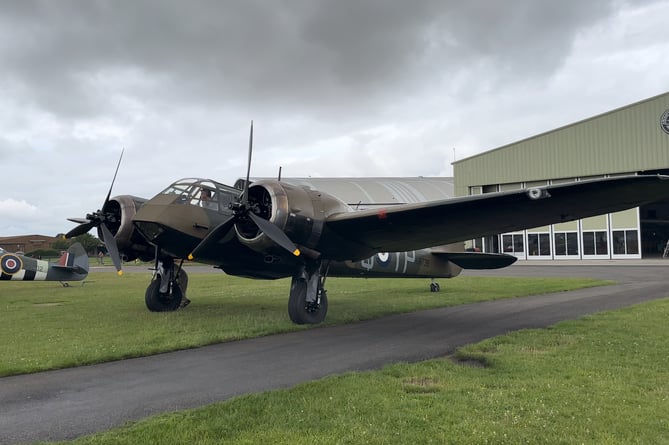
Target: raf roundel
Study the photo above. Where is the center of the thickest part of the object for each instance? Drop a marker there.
(664, 121)
(10, 264)
(384, 258)
(534, 193)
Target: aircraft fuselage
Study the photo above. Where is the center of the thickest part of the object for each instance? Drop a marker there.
(177, 223)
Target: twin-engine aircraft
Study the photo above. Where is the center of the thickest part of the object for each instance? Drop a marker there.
(71, 266)
(270, 229)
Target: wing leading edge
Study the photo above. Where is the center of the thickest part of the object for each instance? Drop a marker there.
(415, 226)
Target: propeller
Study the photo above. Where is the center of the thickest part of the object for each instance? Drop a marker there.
(100, 218)
(242, 209)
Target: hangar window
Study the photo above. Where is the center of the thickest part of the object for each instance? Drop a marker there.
(513, 243)
(491, 244)
(595, 243)
(566, 243)
(475, 245)
(625, 242)
(538, 244)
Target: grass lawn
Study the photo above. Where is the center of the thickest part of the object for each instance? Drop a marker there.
(603, 379)
(47, 326)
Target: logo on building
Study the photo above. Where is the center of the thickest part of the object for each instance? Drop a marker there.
(664, 121)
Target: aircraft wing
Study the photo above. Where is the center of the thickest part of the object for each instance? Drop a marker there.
(420, 225)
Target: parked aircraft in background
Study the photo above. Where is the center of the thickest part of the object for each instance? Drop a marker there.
(271, 229)
(71, 266)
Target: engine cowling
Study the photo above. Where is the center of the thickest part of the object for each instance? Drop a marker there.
(119, 212)
(298, 211)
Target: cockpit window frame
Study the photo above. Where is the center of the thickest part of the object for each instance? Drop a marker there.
(189, 191)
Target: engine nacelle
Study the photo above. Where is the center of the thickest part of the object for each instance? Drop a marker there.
(131, 244)
(298, 211)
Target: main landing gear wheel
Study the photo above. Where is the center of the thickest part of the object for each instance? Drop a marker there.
(434, 287)
(157, 301)
(308, 301)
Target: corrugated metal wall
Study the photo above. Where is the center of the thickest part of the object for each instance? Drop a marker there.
(628, 139)
(382, 191)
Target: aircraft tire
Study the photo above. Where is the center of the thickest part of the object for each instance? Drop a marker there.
(298, 309)
(158, 302)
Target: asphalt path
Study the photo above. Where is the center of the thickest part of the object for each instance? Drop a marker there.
(69, 403)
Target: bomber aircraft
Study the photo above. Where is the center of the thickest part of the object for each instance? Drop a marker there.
(71, 266)
(270, 229)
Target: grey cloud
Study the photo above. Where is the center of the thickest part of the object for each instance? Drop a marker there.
(277, 55)
(368, 87)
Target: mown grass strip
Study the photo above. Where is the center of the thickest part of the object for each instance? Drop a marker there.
(603, 379)
(46, 326)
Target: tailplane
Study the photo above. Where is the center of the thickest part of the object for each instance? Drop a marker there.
(74, 260)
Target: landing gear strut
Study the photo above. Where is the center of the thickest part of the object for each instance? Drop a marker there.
(308, 301)
(167, 289)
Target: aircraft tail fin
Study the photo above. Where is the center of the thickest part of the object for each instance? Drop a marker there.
(75, 260)
(477, 260)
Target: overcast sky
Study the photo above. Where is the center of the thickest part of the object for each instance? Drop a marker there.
(335, 88)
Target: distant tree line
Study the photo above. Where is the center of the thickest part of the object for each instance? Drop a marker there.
(91, 244)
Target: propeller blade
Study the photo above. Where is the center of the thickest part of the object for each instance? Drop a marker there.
(78, 220)
(214, 236)
(80, 229)
(113, 179)
(275, 233)
(248, 167)
(112, 248)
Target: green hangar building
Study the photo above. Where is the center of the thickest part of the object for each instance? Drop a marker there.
(626, 141)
